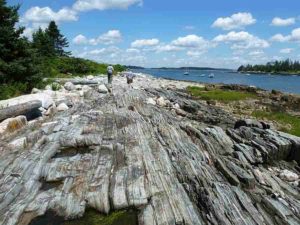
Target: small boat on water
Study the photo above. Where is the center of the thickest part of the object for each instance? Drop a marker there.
(186, 73)
(202, 75)
(211, 75)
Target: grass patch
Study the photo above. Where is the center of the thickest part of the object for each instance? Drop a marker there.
(282, 118)
(220, 95)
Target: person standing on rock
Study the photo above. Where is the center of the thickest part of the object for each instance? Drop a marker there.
(110, 71)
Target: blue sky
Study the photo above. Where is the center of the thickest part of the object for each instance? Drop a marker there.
(155, 33)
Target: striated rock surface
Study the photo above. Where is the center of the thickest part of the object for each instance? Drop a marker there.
(176, 163)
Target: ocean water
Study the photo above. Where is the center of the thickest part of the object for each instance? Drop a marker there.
(290, 83)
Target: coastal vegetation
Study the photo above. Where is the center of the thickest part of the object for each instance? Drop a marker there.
(282, 118)
(287, 123)
(283, 67)
(90, 217)
(24, 63)
(219, 95)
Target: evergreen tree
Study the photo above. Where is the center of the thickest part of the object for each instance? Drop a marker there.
(42, 42)
(17, 61)
(58, 41)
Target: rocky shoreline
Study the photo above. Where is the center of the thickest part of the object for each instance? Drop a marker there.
(152, 148)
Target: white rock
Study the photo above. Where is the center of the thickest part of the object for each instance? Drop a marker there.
(81, 93)
(51, 111)
(44, 97)
(86, 88)
(18, 144)
(151, 101)
(161, 102)
(288, 176)
(13, 124)
(48, 87)
(62, 107)
(176, 106)
(78, 87)
(102, 89)
(49, 123)
(69, 86)
(90, 77)
(180, 112)
(35, 90)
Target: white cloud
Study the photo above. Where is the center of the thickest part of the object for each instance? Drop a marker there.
(241, 40)
(80, 39)
(85, 5)
(293, 37)
(46, 14)
(108, 38)
(167, 48)
(133, 50)
(286, 50)
(28, 32)
(195, 53)
(279, 38)
(277, 21)
(111, 37)
(191, 41)
(145, 43)
(256, 53)
(236, 21)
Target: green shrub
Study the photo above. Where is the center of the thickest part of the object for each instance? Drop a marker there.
(55, 87)
(282, 118)
(12, 90)
(219, 95)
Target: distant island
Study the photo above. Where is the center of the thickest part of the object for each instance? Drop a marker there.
(178, 68)
(285, 67)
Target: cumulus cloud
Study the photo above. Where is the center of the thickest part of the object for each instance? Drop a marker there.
(145, 43)
(191, 41)
(167, 48)
(277, 21)
(86, 5)
(293, 37)
(111, 37)
(236, 21)
(241, 40)
(108, 38)
(195, 53)
(256, 53)
(80, 39)
(279, 38)
(46, 14)
(133, 50)
(286, 50)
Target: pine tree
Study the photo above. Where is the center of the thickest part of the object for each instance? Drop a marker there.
(17, 58)
(42, 42)
(58, 41)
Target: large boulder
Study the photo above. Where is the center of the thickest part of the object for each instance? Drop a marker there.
(29, 109)
(12, 124)
(251, 123)
(102, 89)
(151, 101)
(288, 176)
(90, 77)
(62, 107)
(44, 97)
(69, 86)
(161, 102)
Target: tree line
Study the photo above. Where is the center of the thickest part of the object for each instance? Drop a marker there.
(24, 63)
(284, 66)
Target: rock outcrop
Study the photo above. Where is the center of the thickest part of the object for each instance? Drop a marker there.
(176, 163)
